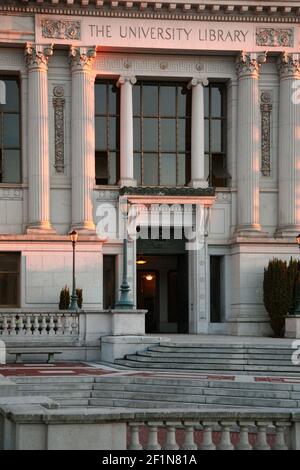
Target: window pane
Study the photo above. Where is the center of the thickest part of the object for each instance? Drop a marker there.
(206, 166)
(136, 134)
(216, 102)
(12, 96)
(216, 136)
(9, 289)
(9, 262)
(101, 163)
(150, 175)
(112, 168)
(206, 135)
(206, 101)
(168, 134)
(181, 170)
(100, 98)
(112, 100)
(137, 161)
(109, 281)
(219, 170)
(136, 93)
(150, 134)
(113, 134)
(150, 100)
(181, 135)
(11, 166)
(167, 101)
(11, 131)
(182, 101)
(100, 131)
(168, 170)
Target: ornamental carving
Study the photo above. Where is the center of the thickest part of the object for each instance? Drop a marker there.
(59, 123)
(249, 63)
(61, 29)
(274, 37)
(288, 64)
(37, 56)
(82, 57)
(266, 109)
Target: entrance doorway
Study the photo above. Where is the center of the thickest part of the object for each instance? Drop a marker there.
(162, 289)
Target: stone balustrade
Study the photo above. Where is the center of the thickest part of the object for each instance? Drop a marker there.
(38, 324)
(102, 429)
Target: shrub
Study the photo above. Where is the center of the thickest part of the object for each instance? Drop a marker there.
(79, 298)
(64, 300)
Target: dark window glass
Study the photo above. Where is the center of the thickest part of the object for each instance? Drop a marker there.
(215, 289)
(9, 279)
(215, 134)
(10, 131)
(109, 281)
(162, 133)
(107, 129)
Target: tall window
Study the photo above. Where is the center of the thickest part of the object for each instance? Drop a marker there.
(10, 142)
(215, 134)
(107, 130)
(9, 279)
(109, 281)
(162, 133)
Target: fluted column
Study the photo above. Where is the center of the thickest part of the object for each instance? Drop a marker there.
(38, 139)
(198, 179)
(83, 138)
(248, 144)
(289, 146)
(126, 131)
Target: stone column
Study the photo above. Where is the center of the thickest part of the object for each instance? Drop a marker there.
(198, 179)
(38, 138)
(289, 146)
(126, 131)
(248, 144)
(83, 138)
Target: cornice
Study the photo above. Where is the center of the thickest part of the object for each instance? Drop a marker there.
(265, 11)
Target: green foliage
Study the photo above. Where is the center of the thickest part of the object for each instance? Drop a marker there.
(280, 286)
(79, 298)
(64, 300)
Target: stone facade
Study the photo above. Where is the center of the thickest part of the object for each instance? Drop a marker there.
(58, 57)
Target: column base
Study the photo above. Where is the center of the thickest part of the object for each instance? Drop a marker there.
(40, 229)
(127, 182)
(287, 231)
(251, 230)
(85, 228)
(198, 184)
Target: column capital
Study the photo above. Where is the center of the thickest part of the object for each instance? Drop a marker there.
(288, 65)
(129, 79)
(248, 64)
(82, 58)
(37, 56)
(197, 81)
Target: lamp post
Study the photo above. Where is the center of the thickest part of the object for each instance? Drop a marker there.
(297, 302)
(124, 301)
(74, 304)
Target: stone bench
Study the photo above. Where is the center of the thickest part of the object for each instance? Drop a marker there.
(19, 352)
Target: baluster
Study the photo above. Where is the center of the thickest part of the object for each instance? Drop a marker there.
(36, 324)
(21, 324)
(75, 320)
(207, 443)
(43, 325)
(280, 443)
(171, 443)
(153, 436)
(28, 324)
(51, 331)
(1, 324)
(244, 443)
(67, 330)
(59, 324)
(189, 441)
(5, 325)
(261, 440)
(225, 443)
(13, 325)
(135, 438)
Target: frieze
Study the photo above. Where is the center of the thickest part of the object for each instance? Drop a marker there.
(61, 29)
(107, 195)
(11, 194)
(273, 37)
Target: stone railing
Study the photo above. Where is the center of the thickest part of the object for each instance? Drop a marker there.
(38, 324)
(102, 429)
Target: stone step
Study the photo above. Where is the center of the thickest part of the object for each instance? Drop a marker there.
(57, 394)
(64, 402)
(275, 345)
(52, 386)
(221, 350)
(52, 380)
(217, 355)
